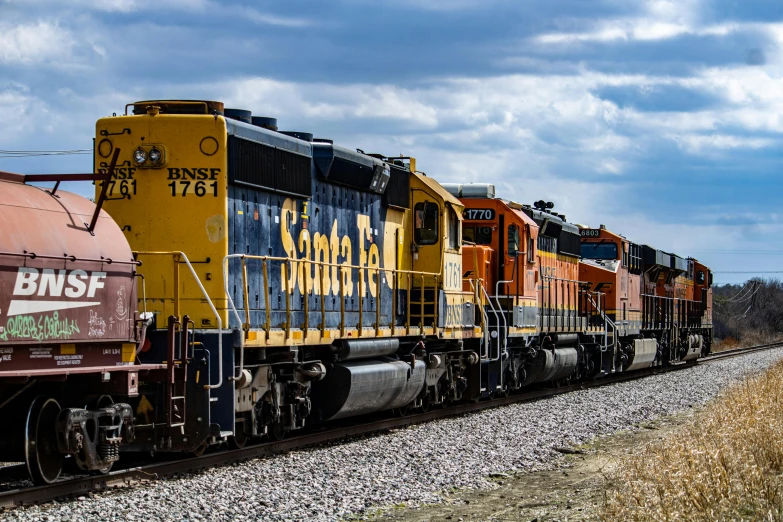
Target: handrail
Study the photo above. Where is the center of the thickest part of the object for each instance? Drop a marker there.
(174, 254)
(321, 267)
(607, 321)
(502, 312)
(497, 322)
(482, 309)
(234, 308)
(71, 258)
(331, 265)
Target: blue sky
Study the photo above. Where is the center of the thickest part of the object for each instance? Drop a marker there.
(661, 119)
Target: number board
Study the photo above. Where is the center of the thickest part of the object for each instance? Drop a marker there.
(479, 214)
(590, 232)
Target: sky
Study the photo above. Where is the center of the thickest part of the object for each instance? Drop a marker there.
(661, 119)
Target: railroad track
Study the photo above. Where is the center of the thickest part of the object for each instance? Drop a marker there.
(131, 476)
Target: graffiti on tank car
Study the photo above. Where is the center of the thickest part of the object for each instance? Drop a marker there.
(122, 307)
(329, 248)
(45, 327)
(97, 325)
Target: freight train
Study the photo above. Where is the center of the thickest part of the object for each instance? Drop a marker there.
(232, 282)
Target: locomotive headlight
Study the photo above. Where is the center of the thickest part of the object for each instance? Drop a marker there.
(155, 156)
(140, 156)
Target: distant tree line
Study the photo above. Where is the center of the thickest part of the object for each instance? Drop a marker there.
(748, 313)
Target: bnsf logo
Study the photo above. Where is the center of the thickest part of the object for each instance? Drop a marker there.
(56, 283)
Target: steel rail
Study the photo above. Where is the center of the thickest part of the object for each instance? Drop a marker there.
(129, 477)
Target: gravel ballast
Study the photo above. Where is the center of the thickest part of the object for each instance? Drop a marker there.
(409, 465)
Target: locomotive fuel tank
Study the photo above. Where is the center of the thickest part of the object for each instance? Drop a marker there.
(360, 387)
(366, 348)
(552, 365)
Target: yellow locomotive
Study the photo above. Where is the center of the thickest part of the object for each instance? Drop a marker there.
(303, 266)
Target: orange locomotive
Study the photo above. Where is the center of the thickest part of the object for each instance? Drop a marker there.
(544, 325)
(564, 302)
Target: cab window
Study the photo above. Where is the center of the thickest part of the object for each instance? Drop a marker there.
(599, 250)
(700, 277)
(513, 239)
(478, 235)
(453, 228)
(425, 230)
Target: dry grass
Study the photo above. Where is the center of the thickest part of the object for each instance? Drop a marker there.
(748, 339)
(726, 465)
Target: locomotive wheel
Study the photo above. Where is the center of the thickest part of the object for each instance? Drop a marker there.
(44, 461)
(401, 412)
(238, 440)
(276, 431)
(199, 451)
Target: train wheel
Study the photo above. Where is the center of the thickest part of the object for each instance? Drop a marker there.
(199, 451)
(276, 431)
(44, 461)
(238, 440)
(402, 412)
(102, 471)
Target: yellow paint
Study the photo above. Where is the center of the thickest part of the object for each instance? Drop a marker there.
(128, 352)
(67, 349)
(216, 228)
(145, 408)
(158, 217)
(314, 337)
(329, 249)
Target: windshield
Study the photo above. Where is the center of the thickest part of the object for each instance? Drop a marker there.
(599, 251)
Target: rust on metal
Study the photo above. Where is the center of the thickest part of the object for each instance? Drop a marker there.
(67, 297)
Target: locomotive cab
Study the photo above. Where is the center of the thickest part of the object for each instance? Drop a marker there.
(612, 267)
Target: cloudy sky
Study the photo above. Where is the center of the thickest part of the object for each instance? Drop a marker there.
(661, 119)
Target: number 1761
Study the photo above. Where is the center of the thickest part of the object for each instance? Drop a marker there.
(198, 188)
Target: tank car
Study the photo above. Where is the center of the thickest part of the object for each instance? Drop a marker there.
(68, 331)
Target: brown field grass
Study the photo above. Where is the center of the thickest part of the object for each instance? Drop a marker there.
(725, 465)
(749, 339)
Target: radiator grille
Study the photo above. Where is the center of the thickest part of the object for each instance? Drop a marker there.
(267, 167)
(397, 192)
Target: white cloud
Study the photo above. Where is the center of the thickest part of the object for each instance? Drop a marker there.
(34, 43)
(329, 101)
(261, 18)
(636, 29)
(697, 144)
